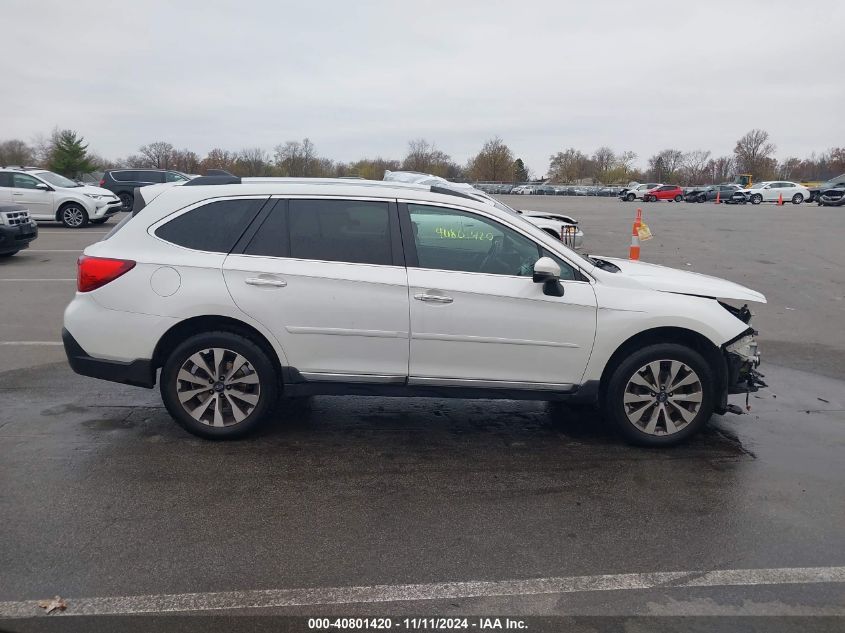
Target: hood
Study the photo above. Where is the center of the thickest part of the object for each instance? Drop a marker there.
(683, 282)
(97, 191)
(550, 215)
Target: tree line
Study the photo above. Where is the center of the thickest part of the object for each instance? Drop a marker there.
(66, 152)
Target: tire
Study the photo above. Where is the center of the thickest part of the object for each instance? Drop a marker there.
(73, 216)
(756, 198)
(652, 424)
(702, 199)
(630, 197)
(127, 201)
(797, 198)
(8, 254)
(679, 198)
(247, 397)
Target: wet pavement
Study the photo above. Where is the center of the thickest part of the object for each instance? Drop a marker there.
(101, 494)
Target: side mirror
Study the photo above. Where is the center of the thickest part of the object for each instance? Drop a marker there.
(42, 187)
(547, 272)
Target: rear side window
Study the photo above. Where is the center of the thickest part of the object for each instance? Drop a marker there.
(124, 176)
(151, 176)
(5, 179)
(354, 231)
(214, 227)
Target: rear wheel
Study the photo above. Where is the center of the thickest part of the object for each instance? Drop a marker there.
(126, 201)
(8, 254)
(797, 198)
(73, 216)
(219, 385)
(679, 198)
(660, 395)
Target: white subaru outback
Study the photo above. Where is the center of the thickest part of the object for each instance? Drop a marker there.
(242, 291)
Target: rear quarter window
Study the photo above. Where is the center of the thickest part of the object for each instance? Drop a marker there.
(213, 227)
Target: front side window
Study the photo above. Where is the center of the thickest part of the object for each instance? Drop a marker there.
(448, 239)
(22, 181)
(353, 231)
(57, 180)
(5, 179)
(213, 227)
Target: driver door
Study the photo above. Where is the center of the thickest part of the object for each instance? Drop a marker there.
(25, 192)
(477, 318)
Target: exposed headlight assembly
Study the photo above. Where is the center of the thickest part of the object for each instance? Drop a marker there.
(96, 196)
(745, 348)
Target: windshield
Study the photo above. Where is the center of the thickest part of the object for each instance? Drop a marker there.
(57, 180)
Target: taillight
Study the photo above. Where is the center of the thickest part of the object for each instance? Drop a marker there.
(94, 272)
(102, 181)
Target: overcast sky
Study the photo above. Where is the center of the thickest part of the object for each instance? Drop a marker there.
(362, 78)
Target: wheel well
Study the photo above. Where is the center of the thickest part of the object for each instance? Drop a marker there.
(552, 233)
(197, 325)
(681, 336)
(65, 204)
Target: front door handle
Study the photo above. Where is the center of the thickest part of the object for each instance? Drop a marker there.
(433, 298)
(16, 194)
(266, 281)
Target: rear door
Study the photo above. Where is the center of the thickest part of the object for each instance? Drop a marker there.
(326, 276)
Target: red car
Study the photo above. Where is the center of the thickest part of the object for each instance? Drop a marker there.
(664, 192)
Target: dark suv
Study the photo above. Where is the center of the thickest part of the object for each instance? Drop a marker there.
(124, 181)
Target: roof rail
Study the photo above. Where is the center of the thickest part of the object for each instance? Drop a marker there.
(451, 192)
(213, 180)
(24, 167)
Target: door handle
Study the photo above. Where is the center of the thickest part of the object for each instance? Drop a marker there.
(264, 281)
(16, 194)
(433, 298)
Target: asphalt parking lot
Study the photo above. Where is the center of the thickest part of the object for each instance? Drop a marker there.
(444, 506)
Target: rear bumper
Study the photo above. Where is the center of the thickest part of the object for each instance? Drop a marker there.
(15, 238)
(139, 372)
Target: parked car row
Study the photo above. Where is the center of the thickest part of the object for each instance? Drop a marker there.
(766, 191)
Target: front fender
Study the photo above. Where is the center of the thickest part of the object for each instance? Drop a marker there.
(624, 313)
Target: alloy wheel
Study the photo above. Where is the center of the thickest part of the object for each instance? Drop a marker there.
(218, 387)
(663, 397)
(73, 216)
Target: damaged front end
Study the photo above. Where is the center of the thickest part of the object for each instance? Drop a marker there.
(742, 357)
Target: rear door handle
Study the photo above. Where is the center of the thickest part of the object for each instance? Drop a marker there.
(433, 298)
(266, 281)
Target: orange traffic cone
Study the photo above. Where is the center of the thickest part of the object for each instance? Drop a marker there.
(717, 197)
(634, 252)
(780, 199)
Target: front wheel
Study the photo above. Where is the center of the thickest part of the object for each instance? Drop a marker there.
(660, 395)
(73, 216)
(630, 197)
(679, 198)
(797, 198)
(219, 385)
(8, 254)
(756, 198)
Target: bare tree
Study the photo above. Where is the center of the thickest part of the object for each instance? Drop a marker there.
(568, 166)
(494, 162)
(665, 164)
(186, 161)
(425, 157)
(695, 165)
(294, 158)
(219, 159)
(158, 155)
(603, 159)
(754, 152)
(252, 161)
(16, 152)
